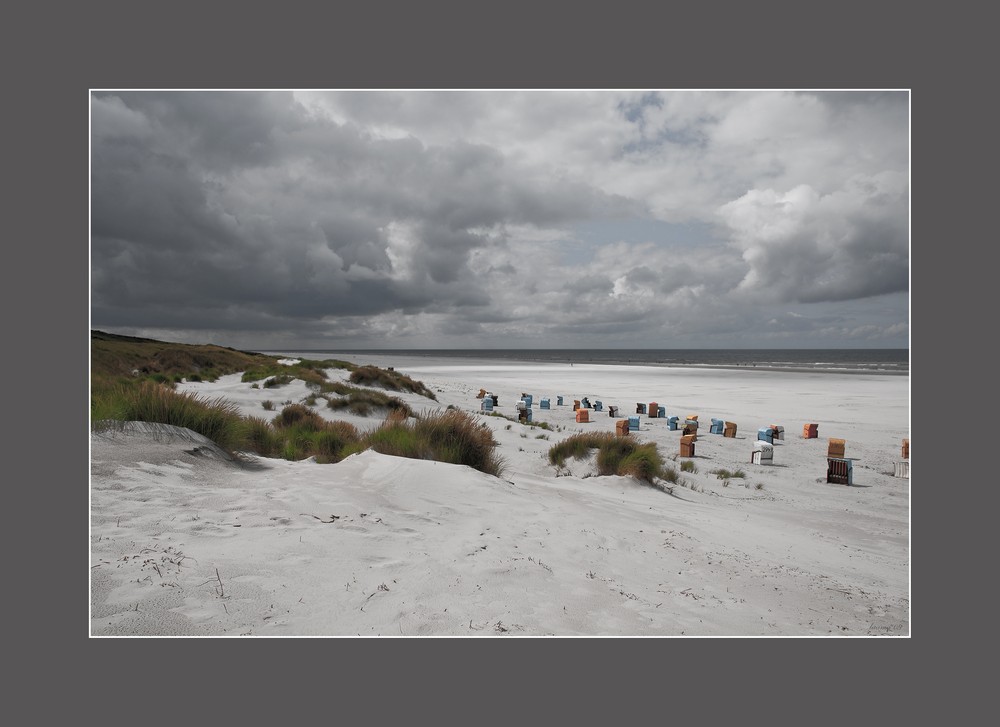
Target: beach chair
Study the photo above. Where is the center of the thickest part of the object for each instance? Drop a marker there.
(906, 450)
(766, 434)
(598, 405)
(481, 394)
(585, 403)
(496, 400)
(653, 409)
(810, 431)
(717, 426)
(633, 424)
(763, 453)
(687, 445)
(524, 415)
(582, 415)
(779, 432)
(690, 430)
(621, 427)
(559, 401)
(903, 469)
(672, 423)
(835, 448)
(487, 404)
(640, 408)
(544, 404)
(613, 411)
(527, 398)
(661, 412)
(839, 471)
(576, 404)
(729, 430)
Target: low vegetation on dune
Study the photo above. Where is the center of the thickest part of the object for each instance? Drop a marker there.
(147, 401)
(616, 455)
(451, 436)
(387, 379)
(113, 356)
(363, 401)
(133, 379)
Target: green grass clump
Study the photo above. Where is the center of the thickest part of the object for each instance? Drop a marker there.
(393, 380)
(449, 436)
(363, 401)
(268, 405)
(276, 381)
(578, 446)
(304, 433)
(261, 437)
(616, 455)
(724, 474)
(299, 415)
(146, 401)
(688, 466)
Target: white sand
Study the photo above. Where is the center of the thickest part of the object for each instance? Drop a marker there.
(184, 542)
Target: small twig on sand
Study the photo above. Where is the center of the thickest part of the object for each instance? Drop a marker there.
(333, 518)
(222, 590)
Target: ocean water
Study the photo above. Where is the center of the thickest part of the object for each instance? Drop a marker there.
(885, 361)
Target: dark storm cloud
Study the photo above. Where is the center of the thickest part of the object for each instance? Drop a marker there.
(462, 218)
(244, 209)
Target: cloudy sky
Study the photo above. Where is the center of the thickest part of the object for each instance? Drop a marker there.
(502, 219)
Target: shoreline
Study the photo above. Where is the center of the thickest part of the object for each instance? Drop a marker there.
(458, 359)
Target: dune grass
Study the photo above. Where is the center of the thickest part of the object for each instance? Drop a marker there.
(147, 401)
(451, 436)
(393, 380)
(616, 455)
(363, 401)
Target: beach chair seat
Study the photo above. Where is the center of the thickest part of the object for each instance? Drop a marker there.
(766, 434)
(633, 424)
(810, 431)
(729, 430)
(582, 415)
(654, 409)
(763, 453)
(672, 423)
(621, 427)
(839, 471)
(687, 445)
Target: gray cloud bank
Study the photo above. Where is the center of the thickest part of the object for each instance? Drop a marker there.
(427, 219)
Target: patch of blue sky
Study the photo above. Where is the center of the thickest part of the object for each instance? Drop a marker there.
(588, 237)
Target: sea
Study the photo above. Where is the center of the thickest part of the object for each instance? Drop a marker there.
(883, 361)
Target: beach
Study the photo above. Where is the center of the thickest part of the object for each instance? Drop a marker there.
(187, 542)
